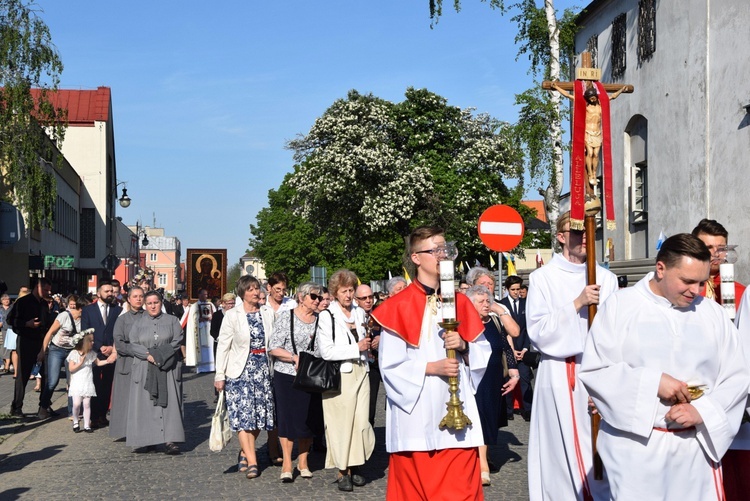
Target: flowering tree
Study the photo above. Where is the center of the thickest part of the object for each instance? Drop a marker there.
(370, 170)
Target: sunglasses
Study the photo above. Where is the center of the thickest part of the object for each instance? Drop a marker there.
(365, 298)
(315, 297)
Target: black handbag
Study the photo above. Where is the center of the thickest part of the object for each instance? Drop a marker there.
(315, 375)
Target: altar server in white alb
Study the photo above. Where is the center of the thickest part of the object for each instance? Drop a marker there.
(560, 458)
(666, 371)
(199, 345)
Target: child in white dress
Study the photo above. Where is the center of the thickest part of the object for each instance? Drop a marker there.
(81, 387)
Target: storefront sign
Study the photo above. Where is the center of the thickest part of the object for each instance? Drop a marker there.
(59, 262)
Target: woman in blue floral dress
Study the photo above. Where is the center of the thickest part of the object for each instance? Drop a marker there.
(242, 370)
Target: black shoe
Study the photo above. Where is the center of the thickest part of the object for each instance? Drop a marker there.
(76, 428)
(526, 415)
(493, 467)
(16, 413)
(358, 480)
(345, 483)
(510, 417)
(172, 449)
(88, 430)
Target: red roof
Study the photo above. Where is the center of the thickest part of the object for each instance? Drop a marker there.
(84, 106)
(539, 206)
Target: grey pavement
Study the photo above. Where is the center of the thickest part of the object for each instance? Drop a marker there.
(46, 460)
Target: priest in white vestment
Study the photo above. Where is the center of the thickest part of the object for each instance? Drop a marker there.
(560, 453)
(199, 345)
(427, 462)
(666, 371)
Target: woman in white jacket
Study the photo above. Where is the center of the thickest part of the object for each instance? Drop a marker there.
(342, 337)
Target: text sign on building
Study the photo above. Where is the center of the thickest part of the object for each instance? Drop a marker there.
(59, 262)
(501, 228)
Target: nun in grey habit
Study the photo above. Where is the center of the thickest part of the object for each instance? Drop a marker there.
(155, 407)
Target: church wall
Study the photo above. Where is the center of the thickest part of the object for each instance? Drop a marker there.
(691, 94)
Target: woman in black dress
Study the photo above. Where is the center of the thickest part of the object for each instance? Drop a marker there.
(491, 407)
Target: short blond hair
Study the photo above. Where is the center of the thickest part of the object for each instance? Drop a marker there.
(341, 278)
(563, 222)
(229, 296)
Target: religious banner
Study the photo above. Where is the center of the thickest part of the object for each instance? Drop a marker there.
(206, 269)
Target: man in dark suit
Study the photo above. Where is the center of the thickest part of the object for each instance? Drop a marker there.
(101, 316)
(521, 344)
(178, 310)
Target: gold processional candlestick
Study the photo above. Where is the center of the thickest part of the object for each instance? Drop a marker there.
(455, 418)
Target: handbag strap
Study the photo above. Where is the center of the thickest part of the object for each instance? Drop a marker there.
(311, 345)
(73, 323)
(291, 330)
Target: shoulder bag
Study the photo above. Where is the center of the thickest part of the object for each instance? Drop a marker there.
(221, 433)
(314, 374)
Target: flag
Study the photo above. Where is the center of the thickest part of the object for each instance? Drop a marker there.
(460, 267)
(467, 267)
(539, 260)
(492, 261)
(389, 275)
(511, 266)
(406, 276)
(660, 240)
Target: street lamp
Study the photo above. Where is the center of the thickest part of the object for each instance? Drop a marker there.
(124, 199)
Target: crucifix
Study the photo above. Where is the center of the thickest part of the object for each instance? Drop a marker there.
(591, 137)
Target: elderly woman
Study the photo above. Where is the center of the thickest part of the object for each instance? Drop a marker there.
(482, 276)
(493, 386)
(395, 285)
(57, 346)
(342, 337)
(155, 403)
(242, 369)
(299, 414)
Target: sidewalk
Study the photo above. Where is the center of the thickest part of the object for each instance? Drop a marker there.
(46, 460)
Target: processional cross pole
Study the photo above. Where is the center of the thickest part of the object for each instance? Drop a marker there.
(591, 136)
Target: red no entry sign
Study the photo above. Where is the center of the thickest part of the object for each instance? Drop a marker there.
(501, 228)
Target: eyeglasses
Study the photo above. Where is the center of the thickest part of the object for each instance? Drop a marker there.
(437, 251)
(365, 298)
(315, 297)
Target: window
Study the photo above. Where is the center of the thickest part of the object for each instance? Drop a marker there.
(88, 233)
(592, 46)
(646, 30)
(152, 257)
(162, 279)
(639, 193)
(618, 47)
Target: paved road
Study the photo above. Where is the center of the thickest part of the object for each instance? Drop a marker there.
(46, 460)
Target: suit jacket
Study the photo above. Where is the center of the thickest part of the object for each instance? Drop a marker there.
(522, 341)
(91, 317)
(216, 320)
(178, 310)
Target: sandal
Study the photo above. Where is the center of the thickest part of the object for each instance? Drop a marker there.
(172, 449)
(276, 461)
(252, 471)
(241, 463)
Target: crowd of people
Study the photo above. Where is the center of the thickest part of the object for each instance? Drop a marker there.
(662, 364)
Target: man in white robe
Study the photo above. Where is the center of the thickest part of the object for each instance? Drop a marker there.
(428, 462)
(651, 347)
(560, 454)
(199, 345)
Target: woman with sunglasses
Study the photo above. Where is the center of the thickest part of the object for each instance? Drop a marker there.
(299, 414)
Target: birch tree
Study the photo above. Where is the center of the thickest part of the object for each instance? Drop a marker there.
(547, 40)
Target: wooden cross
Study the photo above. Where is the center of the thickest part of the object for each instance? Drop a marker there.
(592, 203)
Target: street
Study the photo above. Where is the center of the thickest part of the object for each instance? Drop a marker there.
(46, 460)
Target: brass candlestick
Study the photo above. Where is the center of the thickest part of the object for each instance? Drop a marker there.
(455, 419)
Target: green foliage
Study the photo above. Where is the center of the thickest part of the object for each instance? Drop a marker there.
(28, 59)
(370, 170)
(233, 273)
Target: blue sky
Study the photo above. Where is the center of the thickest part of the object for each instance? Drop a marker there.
(206, 94)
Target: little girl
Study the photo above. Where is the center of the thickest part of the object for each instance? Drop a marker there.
(81, 387)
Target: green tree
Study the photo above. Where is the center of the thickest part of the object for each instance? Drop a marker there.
(370, 170)
(548, 41)
(233, 273)
(30, 70)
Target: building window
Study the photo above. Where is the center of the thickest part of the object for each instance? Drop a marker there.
(152, 257)
(88, 233)
(646, 30)
(162, 279)
(592, 46)
(639, 193)
(619, 45)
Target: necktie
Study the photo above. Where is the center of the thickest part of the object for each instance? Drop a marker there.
(515, 307)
